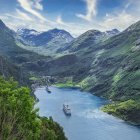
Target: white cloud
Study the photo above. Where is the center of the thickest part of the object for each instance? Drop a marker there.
(13, 20)
(23, 15)
(91, 10)
(60, 21)
(32, 7)
(37, 4)
(20, 19)
(121, 19)
(29, 16)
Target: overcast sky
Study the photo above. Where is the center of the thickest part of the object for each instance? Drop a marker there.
(75, 16)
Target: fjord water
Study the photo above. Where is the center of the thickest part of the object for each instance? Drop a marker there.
(87, 121)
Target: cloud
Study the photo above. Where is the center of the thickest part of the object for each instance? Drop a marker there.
(22, 15)
(18, 16)
(60, 21)
(32, 7)
(91, 10)
(37, 4)
(121, 19)
(28, 15)
(20, 19)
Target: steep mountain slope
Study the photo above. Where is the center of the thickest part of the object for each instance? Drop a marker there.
(113, 63)
(20, 119)
(109, 68)
(13, 58)
(8, 69)
(44, 42)
(112, 32)
(89, 38)
(9, 48)
(100, 65)
(116, 73)
(104, 65)
(8, 54)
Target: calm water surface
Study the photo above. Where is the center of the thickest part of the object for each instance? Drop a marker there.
(87, 121)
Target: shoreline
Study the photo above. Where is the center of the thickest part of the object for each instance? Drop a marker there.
(78, 87)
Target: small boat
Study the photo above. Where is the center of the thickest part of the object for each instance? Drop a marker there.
(47, 89)
(66, 109)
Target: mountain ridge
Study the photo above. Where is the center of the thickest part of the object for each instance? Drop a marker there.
(47, 42)
(107, 67)
(48, 35)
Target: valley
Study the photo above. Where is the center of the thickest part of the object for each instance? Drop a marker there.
(106, 64)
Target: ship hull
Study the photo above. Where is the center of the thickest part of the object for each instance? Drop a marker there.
(66, 113)
(67, 110)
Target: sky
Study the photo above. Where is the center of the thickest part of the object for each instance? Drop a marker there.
(74, 16)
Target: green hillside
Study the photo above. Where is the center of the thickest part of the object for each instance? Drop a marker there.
(109, 69)
(19, 119)
(15, 60)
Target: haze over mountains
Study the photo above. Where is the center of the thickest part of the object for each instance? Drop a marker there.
(104, 63)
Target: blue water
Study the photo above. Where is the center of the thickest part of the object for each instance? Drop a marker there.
(87, 121)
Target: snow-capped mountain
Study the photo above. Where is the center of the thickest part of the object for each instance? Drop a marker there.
(35, 38)
(27, 32)
(112, 32)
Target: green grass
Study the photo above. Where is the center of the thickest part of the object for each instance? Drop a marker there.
(33, 78)
(67, 84)
(116, 78)
(128, 111)
(88, 82)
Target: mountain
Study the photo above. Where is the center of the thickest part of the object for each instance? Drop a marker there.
(8, 46)
(2, 25)
(105, 63)
(8, 69)
(12, 62)
(116, 58)
(108, 68)
(10, 49)
(135, 26)
(91, 37)
(59, 41)
(112, 32)
(34, 38)
(48, 41)
(13, 58)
